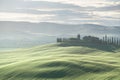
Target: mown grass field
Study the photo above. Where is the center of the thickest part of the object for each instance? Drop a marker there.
(52, 62)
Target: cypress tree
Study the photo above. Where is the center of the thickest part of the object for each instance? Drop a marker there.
(117, 42)
(105, 39)
(78, 36)
(112, 40)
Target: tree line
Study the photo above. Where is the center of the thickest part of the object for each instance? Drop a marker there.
(105, 40)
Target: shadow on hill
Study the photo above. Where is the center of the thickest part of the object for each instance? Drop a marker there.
(61, 69)
(107, 47)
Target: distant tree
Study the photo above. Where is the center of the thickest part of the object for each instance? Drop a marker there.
(117, 41)
(106, 38)
(103, 40)
(112, 40)
(59, 39)
(78, 36)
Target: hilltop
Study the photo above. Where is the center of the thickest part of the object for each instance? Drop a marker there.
(54, 62)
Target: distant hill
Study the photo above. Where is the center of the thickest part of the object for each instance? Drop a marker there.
(58, 29)
(29, 34)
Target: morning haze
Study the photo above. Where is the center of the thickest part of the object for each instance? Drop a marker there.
(59, 40)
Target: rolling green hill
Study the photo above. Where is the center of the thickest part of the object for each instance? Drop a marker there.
(53, 62)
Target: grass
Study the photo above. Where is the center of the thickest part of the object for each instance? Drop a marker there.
(53, 62)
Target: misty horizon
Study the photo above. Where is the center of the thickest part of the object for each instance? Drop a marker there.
(34, 22)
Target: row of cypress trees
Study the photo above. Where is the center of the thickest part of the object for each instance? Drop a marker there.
(111, 40)
(106, 40)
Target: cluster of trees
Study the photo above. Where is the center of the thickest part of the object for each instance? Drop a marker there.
(111, 40)
(91, 39)
(69, 39)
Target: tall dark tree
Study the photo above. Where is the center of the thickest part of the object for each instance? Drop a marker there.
(112, 40)
(78, 37)
(106, 38)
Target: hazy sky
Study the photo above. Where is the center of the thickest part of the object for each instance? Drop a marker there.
(105, 12)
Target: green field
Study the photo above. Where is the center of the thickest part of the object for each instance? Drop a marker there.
(53, 62)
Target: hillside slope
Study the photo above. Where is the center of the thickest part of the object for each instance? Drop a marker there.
(52, 62)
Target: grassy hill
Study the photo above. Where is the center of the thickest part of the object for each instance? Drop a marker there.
(53, 62)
